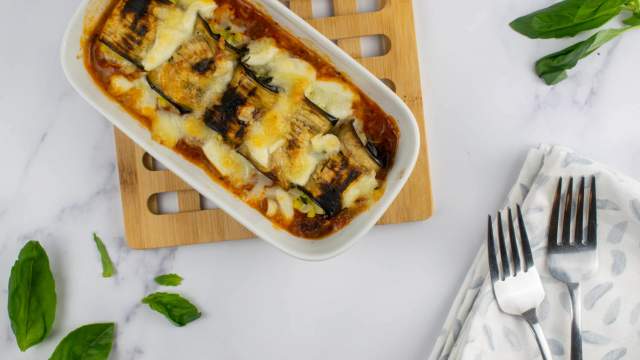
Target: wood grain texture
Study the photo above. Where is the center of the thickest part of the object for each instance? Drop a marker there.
(144, 228)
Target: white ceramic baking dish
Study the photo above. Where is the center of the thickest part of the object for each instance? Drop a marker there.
(407, 152)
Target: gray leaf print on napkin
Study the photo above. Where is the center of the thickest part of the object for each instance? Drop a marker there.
(556, 347)
(617, 232)
(635, 208)
(595, 294)
(615, 354)
(604, 204)
(543, 310)
(572, 158)
(489, 335)
(619, 262)
(635, 314)
(512, 338)
(565, 301)
(594, 338)
(612, 312)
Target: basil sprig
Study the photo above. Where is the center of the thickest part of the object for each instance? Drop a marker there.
(32, 296)
(88, 342)
(553, 68)
(107, 265)
(173, 306)
(568, 18)
(168, 280)
(632, 20)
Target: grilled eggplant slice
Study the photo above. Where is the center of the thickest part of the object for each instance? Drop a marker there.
(130, 30)
(354, 148)
(243, 102)
(329, 182)
(185, 78)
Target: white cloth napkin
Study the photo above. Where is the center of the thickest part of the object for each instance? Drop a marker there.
(476, 329)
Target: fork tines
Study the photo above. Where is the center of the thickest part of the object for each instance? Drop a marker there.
(566, 216)
(519, 253)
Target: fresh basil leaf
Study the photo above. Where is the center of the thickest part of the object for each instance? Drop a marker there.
(88, 342)
(107, 265)
(567, 18)
(173, 306)
(633, 20)
(169, 280)
(32, 296)
(553, 68)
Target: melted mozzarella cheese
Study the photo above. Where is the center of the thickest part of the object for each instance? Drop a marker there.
(362, 188)
(196, 130)
(228, 162)
(167, 128)
(174, 27)
(285, 203)
(289, 73)
(328, 144)
(302, 166)
(332, 97)
(269, 133)
(292, 74)
(225, 66)
(261, 52)
(272, 208)
(120, 84)
(144, 98)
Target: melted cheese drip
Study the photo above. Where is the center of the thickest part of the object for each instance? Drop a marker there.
(228, 162)
(332, 97)
(174, 27)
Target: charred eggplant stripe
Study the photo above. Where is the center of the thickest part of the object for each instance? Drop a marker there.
(138, 8)
(332, 119)
(218, 36)
(329, 209)
(376, 155)
(221, 117)
(121, 53)
(259, 80)
(181, 108)
(372, 150)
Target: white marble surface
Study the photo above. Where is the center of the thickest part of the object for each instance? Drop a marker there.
(384, 299)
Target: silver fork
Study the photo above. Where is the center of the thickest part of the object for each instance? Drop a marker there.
(574, 261)
(517, 289)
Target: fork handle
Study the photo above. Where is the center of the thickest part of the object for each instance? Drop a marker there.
(532, 319)
(576, 324)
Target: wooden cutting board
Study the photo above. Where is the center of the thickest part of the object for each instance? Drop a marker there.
(141, 180)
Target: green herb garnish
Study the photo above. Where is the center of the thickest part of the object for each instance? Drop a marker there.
(568, 18)
(32, 296)
(553, 68)
(88, 342)
(173, 306)
(107, 265)
(169, 280)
